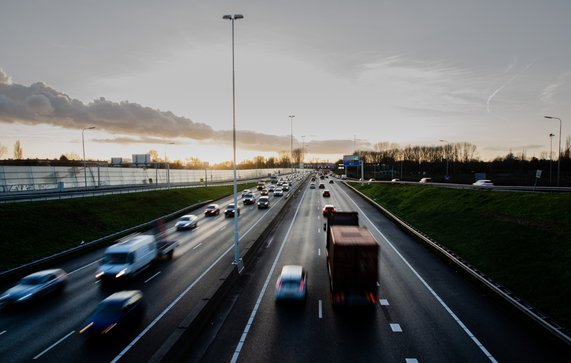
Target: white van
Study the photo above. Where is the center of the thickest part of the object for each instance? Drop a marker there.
(125, 259)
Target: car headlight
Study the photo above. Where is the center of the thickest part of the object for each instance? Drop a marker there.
(121, 273)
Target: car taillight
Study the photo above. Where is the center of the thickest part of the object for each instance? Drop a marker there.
(301, 285)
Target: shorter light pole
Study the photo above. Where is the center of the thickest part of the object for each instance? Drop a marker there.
(558, 150)
(83, 146)
(550, 157)
(303, 151)
(167, 166)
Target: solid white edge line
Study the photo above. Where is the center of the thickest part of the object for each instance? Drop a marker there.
(264, 288)
(173, 303)
(436, 296)
(320, 308)
(198, 245)
(3, 332)
(53, 345)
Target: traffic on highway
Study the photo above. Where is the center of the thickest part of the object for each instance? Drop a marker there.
(287, 304)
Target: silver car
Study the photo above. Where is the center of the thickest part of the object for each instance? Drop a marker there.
(35, 286)
(188, 221)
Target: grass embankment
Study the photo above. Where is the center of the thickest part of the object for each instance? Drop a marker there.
(32, 230)
(521, 240)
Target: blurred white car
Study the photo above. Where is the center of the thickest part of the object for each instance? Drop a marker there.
(35, 286)
(292, 283)
(483, 183)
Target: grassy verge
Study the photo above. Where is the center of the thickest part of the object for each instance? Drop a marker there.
(521, 240)
(29, 231)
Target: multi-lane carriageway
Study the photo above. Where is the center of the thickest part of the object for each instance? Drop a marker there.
(426, 311)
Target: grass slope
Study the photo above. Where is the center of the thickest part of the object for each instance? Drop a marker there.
(521, 240)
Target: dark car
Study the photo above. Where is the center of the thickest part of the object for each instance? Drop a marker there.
(328, 209)
(249, 199)
(229, 211)
(321, 186)
(326, 193)
(188, 221)
(116, 311)
(212, 210)
(331, 181)
(35, 286)
(263, 202)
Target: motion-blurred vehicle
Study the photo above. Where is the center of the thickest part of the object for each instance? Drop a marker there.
(331, 181)
(278, 192)
(261, 185)
(352, 260)
(263, 202)
(117, 311)
(292, 283)
(188, 221)
(127, 258)
(35, 286)
(229, 211)
(321, 186)
(326, 193)
(328, 209)
(395, 180)
(212, 210)
(425, 180)
(249, 199)
(246, 192)
(312, 186)
(264, 192)
(483, 183)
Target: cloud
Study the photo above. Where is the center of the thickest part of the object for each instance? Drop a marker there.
(4, 78)
(41, 104)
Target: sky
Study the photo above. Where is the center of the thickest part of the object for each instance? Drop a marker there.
(158, 75)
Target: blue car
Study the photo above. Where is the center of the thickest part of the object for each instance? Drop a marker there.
(117, 311)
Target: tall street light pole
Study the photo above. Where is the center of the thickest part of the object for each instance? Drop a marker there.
(83, 146)
(446, 156)
(291, 141)
(550, 157)
(237, 259)
(558, 150)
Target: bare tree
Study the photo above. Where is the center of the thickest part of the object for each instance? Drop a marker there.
(3, 150)
(18, 152)
(154, 156)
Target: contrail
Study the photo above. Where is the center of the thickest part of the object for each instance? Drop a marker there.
(505, 85)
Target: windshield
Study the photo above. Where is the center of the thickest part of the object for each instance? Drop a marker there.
(115, 258)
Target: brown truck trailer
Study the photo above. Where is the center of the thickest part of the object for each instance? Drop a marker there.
(352, 260)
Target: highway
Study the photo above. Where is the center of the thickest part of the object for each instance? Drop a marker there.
(427, 312)
(48, 331)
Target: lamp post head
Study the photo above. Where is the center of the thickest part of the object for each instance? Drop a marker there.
(551, 135)
(235, 17)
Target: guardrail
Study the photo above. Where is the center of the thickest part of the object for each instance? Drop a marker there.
(521, 306)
